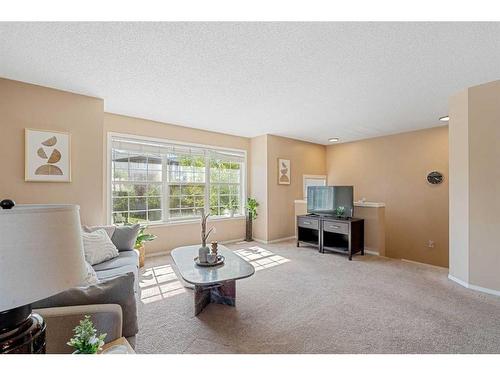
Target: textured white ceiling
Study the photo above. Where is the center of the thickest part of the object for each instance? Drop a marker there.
(310, 81)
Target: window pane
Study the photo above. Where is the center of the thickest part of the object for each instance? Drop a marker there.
(199, 201)
(120, 204)
(190, 212)
(120, 218)
(234, 189)
(139, 190)
(154, 203)
(154, 215)
(224, 189)
(175, 202)
(187, 201)
(137, 204)
(137, 217)
(175, 213)
(154, 176)
(214, 200)
(138, 175)
(175, 190)
(224, 200)
(154, 189)
(120, 174)
(121, 190)
(234, 176)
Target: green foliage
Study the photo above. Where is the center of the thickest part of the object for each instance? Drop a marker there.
(143, 237)
(252, 205)
(339, 211)
(85, 340)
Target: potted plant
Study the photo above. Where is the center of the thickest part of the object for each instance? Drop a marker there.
(142, 238)
(251, 214)
(86, 340)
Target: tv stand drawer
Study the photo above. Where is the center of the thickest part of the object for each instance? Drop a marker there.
(335, 227)
(305, 222)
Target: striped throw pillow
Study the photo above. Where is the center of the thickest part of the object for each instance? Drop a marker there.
(98, 247)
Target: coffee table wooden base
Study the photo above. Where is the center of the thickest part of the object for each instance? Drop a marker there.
(222, 293)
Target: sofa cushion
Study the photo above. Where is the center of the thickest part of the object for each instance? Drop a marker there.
(113, 272)
(124, 236)
(124, 258)
(118, 290)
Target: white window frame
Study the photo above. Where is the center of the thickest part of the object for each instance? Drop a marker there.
(312, 177)
(165, 197)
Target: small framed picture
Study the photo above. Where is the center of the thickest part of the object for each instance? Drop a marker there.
(284, 172)
(47, 156)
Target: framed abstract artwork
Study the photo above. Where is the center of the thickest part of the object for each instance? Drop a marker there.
(47, 156)
(284, 172)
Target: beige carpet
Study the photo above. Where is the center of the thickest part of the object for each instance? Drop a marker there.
(300, 301)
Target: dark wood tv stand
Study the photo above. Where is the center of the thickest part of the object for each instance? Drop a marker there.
(328, 233)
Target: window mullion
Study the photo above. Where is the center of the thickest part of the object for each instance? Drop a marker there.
(165, 189)
(207, 182)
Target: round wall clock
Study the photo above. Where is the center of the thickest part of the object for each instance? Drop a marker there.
(435, 178)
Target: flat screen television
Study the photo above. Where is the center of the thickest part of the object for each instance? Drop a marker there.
(324, 200)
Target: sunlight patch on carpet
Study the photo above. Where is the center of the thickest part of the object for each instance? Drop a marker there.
(158, 283)
(261, 258)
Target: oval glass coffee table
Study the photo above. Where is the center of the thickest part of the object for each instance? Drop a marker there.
(211, 284)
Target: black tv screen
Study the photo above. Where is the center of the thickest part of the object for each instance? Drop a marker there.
(324, 200)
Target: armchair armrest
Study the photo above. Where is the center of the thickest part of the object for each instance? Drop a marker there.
(107, 318)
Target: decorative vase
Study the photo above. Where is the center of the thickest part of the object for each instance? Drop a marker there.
(203, 253)
(215, 248)
(211, 258)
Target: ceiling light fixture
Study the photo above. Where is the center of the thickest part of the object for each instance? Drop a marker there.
(333, 139)
(444, 118)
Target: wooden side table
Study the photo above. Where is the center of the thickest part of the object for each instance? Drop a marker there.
(114, 346)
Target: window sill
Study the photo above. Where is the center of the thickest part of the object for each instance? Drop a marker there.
(194, 221)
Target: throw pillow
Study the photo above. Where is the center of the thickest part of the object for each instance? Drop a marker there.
(110, 229)
(98, 247)
(118, 290)
(124, 236)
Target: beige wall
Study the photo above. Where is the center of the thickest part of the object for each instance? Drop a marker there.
(258, 184)
(393, 170)
(374, 218)
(305, 158)
(475, 183)
(174, 235)
(28, 106)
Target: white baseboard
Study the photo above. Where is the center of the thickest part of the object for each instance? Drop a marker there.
(474, 287)
(458, 281)
(274, 241)
(423, 264)
(372, 252)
